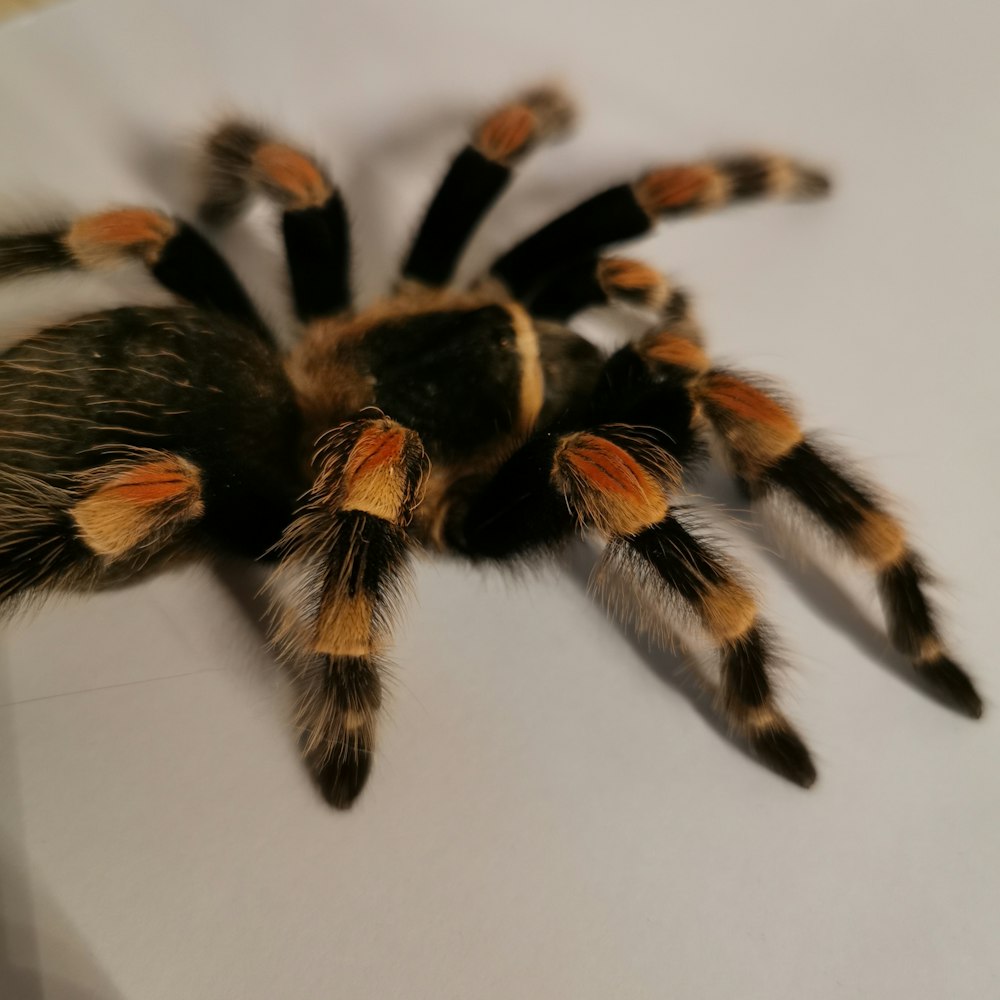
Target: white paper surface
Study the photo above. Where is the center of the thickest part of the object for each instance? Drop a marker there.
(548, 816)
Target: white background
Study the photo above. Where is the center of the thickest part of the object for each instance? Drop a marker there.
(550, 814)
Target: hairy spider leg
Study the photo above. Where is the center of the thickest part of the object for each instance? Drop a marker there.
(336, 591)
(115, 385)
(82, 529)
(792, 479)
(175, 253)
(628, 211)
(616, 480)
(598, 281)
(242, 159)
(796, 482)
(478, 175)
(796, 479)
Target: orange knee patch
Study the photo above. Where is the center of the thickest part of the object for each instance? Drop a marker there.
(131, 504)
(611, 490)
(538, 114)
(749, 403)
(506, 133)
(103, 239)
(377, 474)
(757, 429)
(679, 351)
(695, 186)
(291, 176)
(631, 279)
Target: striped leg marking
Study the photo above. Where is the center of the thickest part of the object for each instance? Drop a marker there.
(242, 160)
(344, 562)
(784, 469)
(621, 488)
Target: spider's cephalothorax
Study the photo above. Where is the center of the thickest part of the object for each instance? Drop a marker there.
(470, 421)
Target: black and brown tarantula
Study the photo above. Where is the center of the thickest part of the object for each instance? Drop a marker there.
(470, 421)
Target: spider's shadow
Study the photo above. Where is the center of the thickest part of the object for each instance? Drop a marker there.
(243, 580)
(39, 942)
(669, 666)
(823, 594)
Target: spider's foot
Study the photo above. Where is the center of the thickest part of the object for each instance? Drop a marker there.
(783, 752)
(337, 743)
(341, 779)
(952, 685)
(339, 772)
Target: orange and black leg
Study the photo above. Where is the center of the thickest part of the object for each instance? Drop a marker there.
(343, 560)
(242, 160)
(616, 480)
(476, 178)
(599, 281)
(177, 255)
(795, 480)
(628, 211)
(82, 529)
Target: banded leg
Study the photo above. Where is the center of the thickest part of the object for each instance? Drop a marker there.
(343, 561)
(617, 481)
(179, 257)
(795, 478)
(478, 175)
(78, 530)
(583, 388)
(628, 211)
(598, 281)
(241, 160)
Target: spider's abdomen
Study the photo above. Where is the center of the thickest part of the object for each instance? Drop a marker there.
(177, 380)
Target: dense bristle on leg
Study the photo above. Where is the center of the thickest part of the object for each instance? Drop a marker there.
(678, 190)
(75, 529)
(125, 504)
(783, 751)
(510, 131)
(690, 579)
(336, 718)
(177, 256)
(104, 238)
(797, 481)
(593, 281)
(914, 632)
(344, 559)
(627, 211)
(23, 254)
(476, 177)
(617, 480)
(241, 159)
(620, 486)
(617, 486)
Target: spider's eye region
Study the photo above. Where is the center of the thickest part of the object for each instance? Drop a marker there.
(453, 376)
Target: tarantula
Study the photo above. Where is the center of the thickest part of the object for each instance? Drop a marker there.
(470, 421)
